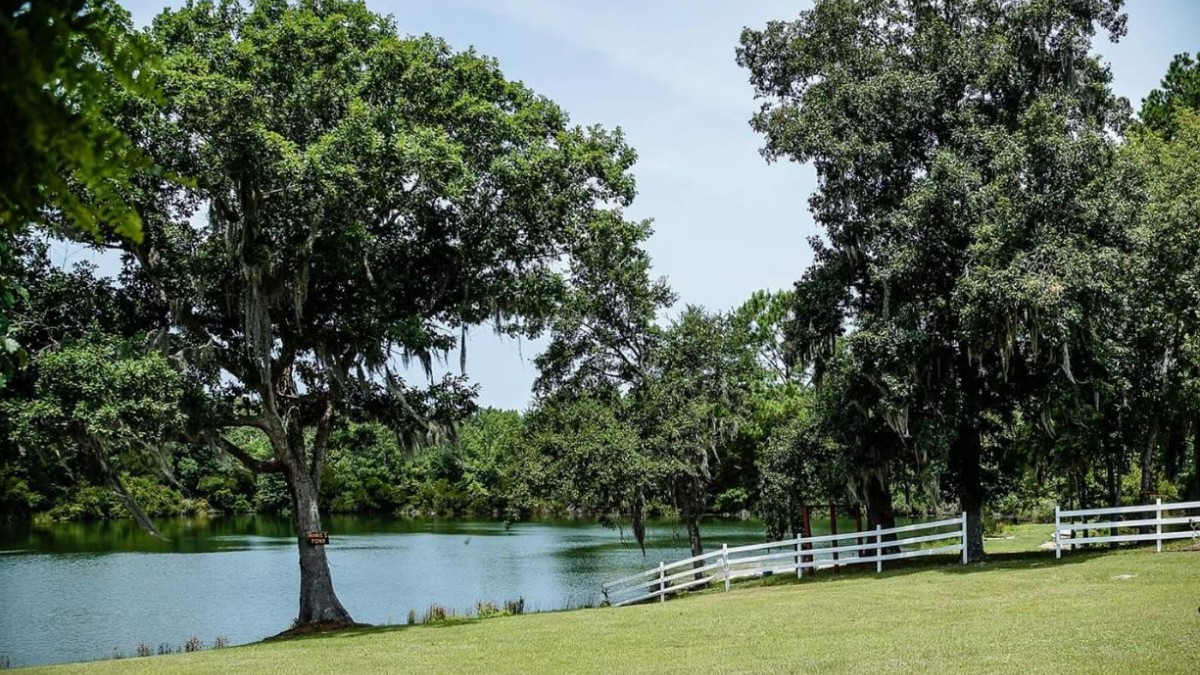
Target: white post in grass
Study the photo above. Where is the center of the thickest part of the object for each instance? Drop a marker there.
(1057, 526)
(878, 548)
(964, 537)
(799, 558)
(1158, 525)
(662, 581)
(725, 563)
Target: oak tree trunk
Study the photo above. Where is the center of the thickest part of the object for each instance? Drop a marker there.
(1113, 483)
(880, 510)
(1147, 463)
(319, 603)
(691, 515)
(1195, 491)
(1173, 458)
(966, 452)
(965, 456)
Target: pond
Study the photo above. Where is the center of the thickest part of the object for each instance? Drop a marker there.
(82, 591)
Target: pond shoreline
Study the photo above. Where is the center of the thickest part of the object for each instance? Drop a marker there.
(77, 591)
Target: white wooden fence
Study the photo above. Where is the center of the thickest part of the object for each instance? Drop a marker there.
(790, 555)
(1180, 525)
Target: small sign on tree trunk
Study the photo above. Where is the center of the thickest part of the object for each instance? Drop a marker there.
(318, 538)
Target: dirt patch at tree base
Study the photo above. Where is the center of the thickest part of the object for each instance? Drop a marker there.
(314, 629)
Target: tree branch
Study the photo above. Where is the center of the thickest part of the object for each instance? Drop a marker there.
(249, 461)
(321, 441)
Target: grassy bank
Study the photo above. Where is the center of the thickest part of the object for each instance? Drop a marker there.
(1125, 611)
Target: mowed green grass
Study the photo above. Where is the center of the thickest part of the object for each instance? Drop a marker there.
(1130, 611)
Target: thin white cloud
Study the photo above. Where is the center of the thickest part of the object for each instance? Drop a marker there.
(671, 43)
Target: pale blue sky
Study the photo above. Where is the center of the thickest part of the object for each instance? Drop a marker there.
(726, 222)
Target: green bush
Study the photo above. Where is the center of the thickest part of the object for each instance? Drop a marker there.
(153, 497)
(87, 502)
(731, 500)
(223, 493)
(16, 496)
(271, 494)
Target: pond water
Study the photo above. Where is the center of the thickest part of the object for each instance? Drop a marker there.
(82, 591)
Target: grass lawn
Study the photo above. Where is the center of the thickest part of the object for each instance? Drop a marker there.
(1129, 611)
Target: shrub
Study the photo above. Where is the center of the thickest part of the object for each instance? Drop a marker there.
(86, 502)
(731, 500)
(992, 527)
(194, 644)
(484, 609)
(154, 498)
(437, 613)
(223, 493)
(515, 606)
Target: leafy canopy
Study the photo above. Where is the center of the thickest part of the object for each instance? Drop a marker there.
(66, 166)
(369, 197)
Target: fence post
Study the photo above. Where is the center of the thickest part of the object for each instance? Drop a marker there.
(878, 548)
(833, 530)
(858, 526)
(1158, 525)
(964, 538)
(1057, 527)
(725, 563)
(799, 560)
(807, 525)
(662, 581)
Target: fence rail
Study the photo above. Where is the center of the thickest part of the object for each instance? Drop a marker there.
(1180, 526)
(790, 555)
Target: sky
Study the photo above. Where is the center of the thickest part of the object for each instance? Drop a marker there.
(726, 222)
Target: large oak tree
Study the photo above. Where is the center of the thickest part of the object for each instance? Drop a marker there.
(357, 199)
(964, 151)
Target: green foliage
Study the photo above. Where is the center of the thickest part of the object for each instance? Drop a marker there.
(365, 471)
(101, 395)
(17, 497)
(1179, 91)
(92, 502)
(369, 471)
(66, 165)
(271, 494)
(588, 459)
(697, 401)
(64, 62)
(789, 463)
(392, 181)
(492, 451)
(102, 408)
(87, 502)
(224, 493)
(603, 336)
(733, 500)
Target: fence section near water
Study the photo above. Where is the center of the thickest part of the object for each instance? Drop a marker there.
(791, 555)
(1157, 522)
